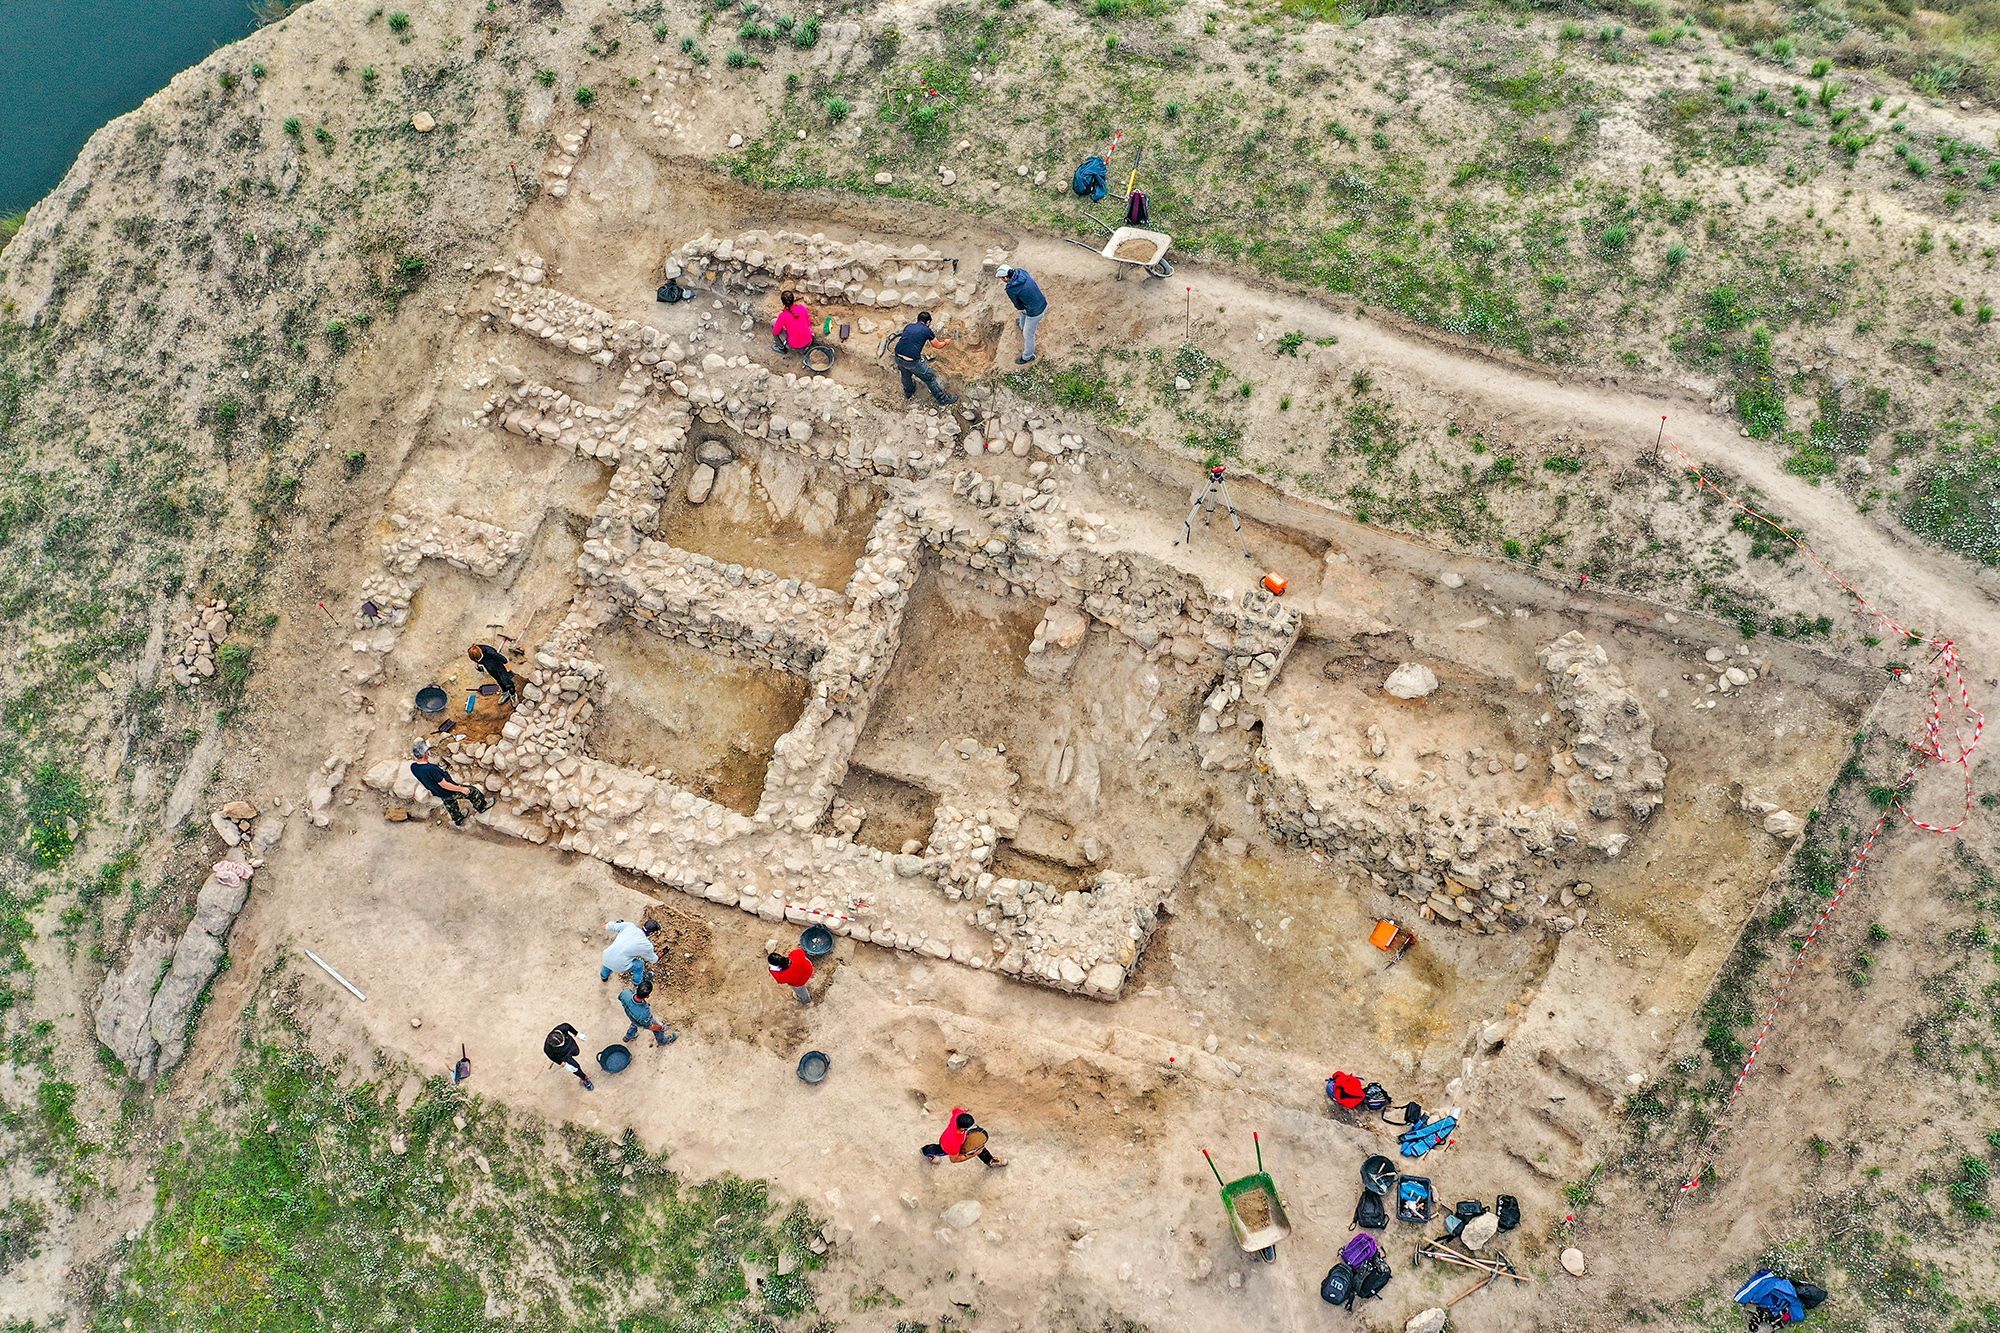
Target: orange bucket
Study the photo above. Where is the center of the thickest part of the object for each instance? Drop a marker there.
(1274, 583)
(1383, 936)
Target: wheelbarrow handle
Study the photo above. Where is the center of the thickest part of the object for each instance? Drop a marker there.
(1260, 1151)
(1211, 1167)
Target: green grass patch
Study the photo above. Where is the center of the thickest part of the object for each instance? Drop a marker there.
(310, 1204)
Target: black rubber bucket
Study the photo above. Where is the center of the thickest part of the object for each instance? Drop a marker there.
(431, 699)
(614, 1058)
(813, 1066)
(817, 941)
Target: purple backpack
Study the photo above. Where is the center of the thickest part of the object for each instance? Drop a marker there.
(1359, 1251)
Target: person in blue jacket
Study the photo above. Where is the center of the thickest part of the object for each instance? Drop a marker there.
(1028, 299)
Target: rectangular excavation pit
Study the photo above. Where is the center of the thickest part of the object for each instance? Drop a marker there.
(960, 715)
(707, 720)
(768, 508)
(898, 812)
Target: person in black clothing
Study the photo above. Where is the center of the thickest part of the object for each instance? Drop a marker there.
(564, 1053)
(494, 663)
(910, 362)
(439, 784)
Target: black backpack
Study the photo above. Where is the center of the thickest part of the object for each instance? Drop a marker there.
(1375, 1098)
(1508, 1209)
(1368, 1286)
(1369, 1211)
(1337, 1288)
(1409, 1113)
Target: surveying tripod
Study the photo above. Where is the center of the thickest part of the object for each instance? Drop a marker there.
(1205, 500)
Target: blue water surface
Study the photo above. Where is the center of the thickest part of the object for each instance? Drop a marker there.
(69, 66)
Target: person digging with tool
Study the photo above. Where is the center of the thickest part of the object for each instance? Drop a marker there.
(910, 363)
(795, 970)
(636, 1001)
(961, 1141)
(494, 663)
(630, 951)
(792, 330)
(562, 1048)
(1027, 297)
(439, 784)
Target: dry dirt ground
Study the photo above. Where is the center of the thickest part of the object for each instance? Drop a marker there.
(1258, 983)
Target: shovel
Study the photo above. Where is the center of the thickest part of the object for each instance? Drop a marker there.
(463, 1070)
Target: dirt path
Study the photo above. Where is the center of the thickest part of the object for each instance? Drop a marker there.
(1922, 586)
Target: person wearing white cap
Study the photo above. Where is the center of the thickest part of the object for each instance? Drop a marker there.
(1028, 299)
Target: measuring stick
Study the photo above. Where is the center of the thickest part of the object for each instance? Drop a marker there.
(327, 968)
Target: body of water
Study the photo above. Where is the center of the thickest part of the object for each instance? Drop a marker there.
(69, 66)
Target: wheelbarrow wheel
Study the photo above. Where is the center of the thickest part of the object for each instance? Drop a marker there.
(1160, 268)
(1269, 1254)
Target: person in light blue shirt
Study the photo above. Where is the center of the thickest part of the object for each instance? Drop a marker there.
(631, 950)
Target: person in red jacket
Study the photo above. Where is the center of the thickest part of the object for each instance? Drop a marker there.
(793, 970)
(961, 1140)
(792, 330)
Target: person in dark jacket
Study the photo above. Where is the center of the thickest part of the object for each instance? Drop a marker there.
(439, 784)
(562, 1048)
(794, 970)
(910, 364)
(1027, 297)
(494, 663)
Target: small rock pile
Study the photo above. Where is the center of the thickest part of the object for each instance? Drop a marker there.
(562, 160)
(1619, 771)
(200, 637)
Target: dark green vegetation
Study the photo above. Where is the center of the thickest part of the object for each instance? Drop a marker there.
(309, 1203)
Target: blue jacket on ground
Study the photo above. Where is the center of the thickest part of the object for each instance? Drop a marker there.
(1026, 296)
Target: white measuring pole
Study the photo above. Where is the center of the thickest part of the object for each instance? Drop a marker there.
(328, 969)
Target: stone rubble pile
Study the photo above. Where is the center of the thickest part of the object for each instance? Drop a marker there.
(1439, 840)
(562, 160)
(200, 637)
(1086, 941)
(1618, 771)
(861, 273)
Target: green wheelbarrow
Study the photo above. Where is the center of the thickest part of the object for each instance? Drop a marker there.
(1256, 1217)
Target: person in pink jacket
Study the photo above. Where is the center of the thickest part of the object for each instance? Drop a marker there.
(792, 330)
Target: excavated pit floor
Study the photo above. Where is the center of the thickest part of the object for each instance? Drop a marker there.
(708, 720)
(774, 510)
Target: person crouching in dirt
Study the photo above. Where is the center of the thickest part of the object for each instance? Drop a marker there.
(961, 1141)
(794, 970)
(631, 950)
(494, 663)
(561, 1047)
(439, 784)
(792, 330)
(910, 363)
(636, 1001)
(1027, 298)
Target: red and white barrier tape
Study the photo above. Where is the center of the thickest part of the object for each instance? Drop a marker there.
(1929, 746)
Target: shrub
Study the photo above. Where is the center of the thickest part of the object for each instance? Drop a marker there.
(736, 59)
(585, 96)
(293, 127)
(399, 22)
(806, 35)
(837, 109)
(547, 77)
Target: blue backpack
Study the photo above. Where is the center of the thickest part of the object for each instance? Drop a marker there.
(1425, 1135)
(1092, 179)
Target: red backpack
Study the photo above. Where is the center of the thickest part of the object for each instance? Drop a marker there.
(1346, 1090)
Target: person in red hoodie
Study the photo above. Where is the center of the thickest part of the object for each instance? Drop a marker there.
(962, 1139)
(792, 330)
(793, 970)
